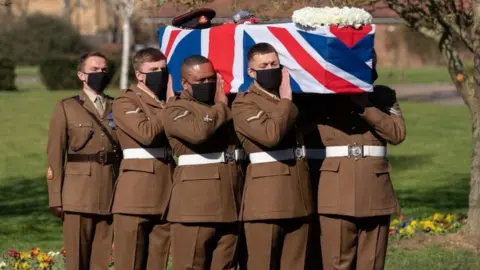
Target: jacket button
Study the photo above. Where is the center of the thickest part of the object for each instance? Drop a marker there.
(79, 125)
(102, 149)
(103, 134)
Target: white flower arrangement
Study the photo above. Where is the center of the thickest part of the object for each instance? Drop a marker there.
(346, 16)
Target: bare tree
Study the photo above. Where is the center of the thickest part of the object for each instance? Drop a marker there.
(451, 24)
(124, 9)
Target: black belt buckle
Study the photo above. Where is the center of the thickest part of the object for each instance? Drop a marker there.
(102, 158)
(229, 156)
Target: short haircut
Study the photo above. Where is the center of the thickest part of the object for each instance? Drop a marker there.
(193, 60)
(83, 59)
(147, 55)
(260, 48)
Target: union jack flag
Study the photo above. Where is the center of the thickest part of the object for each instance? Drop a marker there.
(324, 60)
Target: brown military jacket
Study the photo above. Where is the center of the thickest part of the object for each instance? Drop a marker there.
(359, 187)
(273, 190)
(307, 105)
(76, 180)
(208, 192)
(144, 185)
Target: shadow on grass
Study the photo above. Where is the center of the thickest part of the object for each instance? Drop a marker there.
(25, 220)
(21, 197)
(449, 197)
(407, 162)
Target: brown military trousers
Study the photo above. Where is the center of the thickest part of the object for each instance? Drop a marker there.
(141, 242)
(88, 240)
(204, 246)
(277, 244)
(354, 243)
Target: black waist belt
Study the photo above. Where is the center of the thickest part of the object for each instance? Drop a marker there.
(101, 157)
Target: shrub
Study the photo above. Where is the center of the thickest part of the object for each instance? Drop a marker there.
(7, 74)
(38, 36)
(60, 72)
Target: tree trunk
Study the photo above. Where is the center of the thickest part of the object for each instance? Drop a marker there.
(468, 87)
(472, 228)
(125, 52)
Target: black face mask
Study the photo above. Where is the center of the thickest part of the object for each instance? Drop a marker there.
(157, 82)
(205, 92)
(269, 79)
(98, 81)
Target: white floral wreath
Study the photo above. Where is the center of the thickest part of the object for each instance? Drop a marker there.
(346, 16)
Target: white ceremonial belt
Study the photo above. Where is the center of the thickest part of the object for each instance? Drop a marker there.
(316, 153)
(144, 153)
(277, 155)
(356, 151)
(210, 158)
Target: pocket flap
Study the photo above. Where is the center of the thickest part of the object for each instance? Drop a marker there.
(382, 167)
(190, 173)
(330, 165)
(78, 168)
(269, 169)
(143, 165)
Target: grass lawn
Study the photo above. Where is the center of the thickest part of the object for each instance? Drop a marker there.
(431, 174)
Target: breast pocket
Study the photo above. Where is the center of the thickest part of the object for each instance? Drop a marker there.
(383, 194)
(79, 134)
(200, 190)
(328, 187)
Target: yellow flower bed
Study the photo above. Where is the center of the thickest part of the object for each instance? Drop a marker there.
(435, 224)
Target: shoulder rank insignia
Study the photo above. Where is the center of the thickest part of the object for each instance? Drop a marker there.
(137, 110)
(255, 117)
(185, 113)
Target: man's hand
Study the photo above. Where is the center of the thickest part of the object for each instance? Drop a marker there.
(285, 88)
(220, 94)
(169, 88)
(57, 211)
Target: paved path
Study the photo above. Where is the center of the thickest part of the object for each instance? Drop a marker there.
(434, 93)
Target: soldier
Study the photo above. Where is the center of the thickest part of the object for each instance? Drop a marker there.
(83, 157)
(142, 193)
(355, 195)
(206, 194)
(277, 199)
(196, 19)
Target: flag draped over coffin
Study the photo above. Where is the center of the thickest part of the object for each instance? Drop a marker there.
(324, 60)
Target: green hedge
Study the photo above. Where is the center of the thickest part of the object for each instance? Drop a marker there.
(38, 36)
(7, 74)
(60, 73)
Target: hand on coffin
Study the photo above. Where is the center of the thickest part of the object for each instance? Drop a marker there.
(220, 94)
(170, 92)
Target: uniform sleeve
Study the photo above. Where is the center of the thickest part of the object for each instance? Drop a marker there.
(56, 149)
(131, 119)
(386, 116)
(266, 128)
(192, 123)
